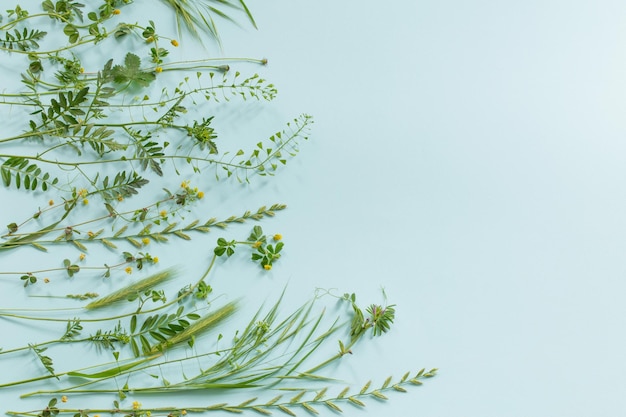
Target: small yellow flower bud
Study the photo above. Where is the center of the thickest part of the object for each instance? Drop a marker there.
(257, 244)
(128, 270)
(51, 203)
(278, 237)
(136, 405)
(267, 267)
(64, 399)
(85, 201)
(158, 70)
(200, 194)
(155, 259)
(174, 43)
(46, 280)
(116, 11)
(145, 240)
(81, 256)
(162, 213)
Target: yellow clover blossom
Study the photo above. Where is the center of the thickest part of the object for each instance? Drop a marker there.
(278, 237)
(85, 201)
(163, 213)
(136, 405)
(64, 399)
(158, 70)
(51, 203)
(174, 43)
(128, 270)
(155, 259)
(81, 256)
(200, 194)
(145, 240)
(116, 11)
(183, 412)
(267, 267)
(257, 244)
(184, 184)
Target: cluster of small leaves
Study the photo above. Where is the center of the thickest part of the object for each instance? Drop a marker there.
(50, 410)
(20, 172)
(71, 268)
(378, 318)
(22, 40)
(46, 361)
(73, 329)
(125, 184)
(29, 279)
(157, 329)
(266, 253)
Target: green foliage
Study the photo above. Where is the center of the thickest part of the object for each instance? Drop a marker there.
(131, 72)
(19, 172)
(24, 40)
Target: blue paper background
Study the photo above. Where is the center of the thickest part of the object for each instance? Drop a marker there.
(467, 157)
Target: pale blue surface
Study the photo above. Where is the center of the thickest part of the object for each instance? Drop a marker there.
(469, 158)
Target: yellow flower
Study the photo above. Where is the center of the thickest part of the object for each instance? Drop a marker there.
(278, 237)
(81, 70)
(120, 198)
(155, 259)
(85, 201)
(46, 280)
(64, 399)
(158, 70)
(81, 256)
(117, 11)
(82, 192)
(267, 267)
(174, 43)
(200, 194)
(145, 240)
(136, 405)
(150, 39)
(163, 213)
(51, 203)
(257, 244)
(129, 270)
(183, 412)
(90, 234)
(185, 184)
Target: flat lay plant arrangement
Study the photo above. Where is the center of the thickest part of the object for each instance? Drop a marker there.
(93, 144)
